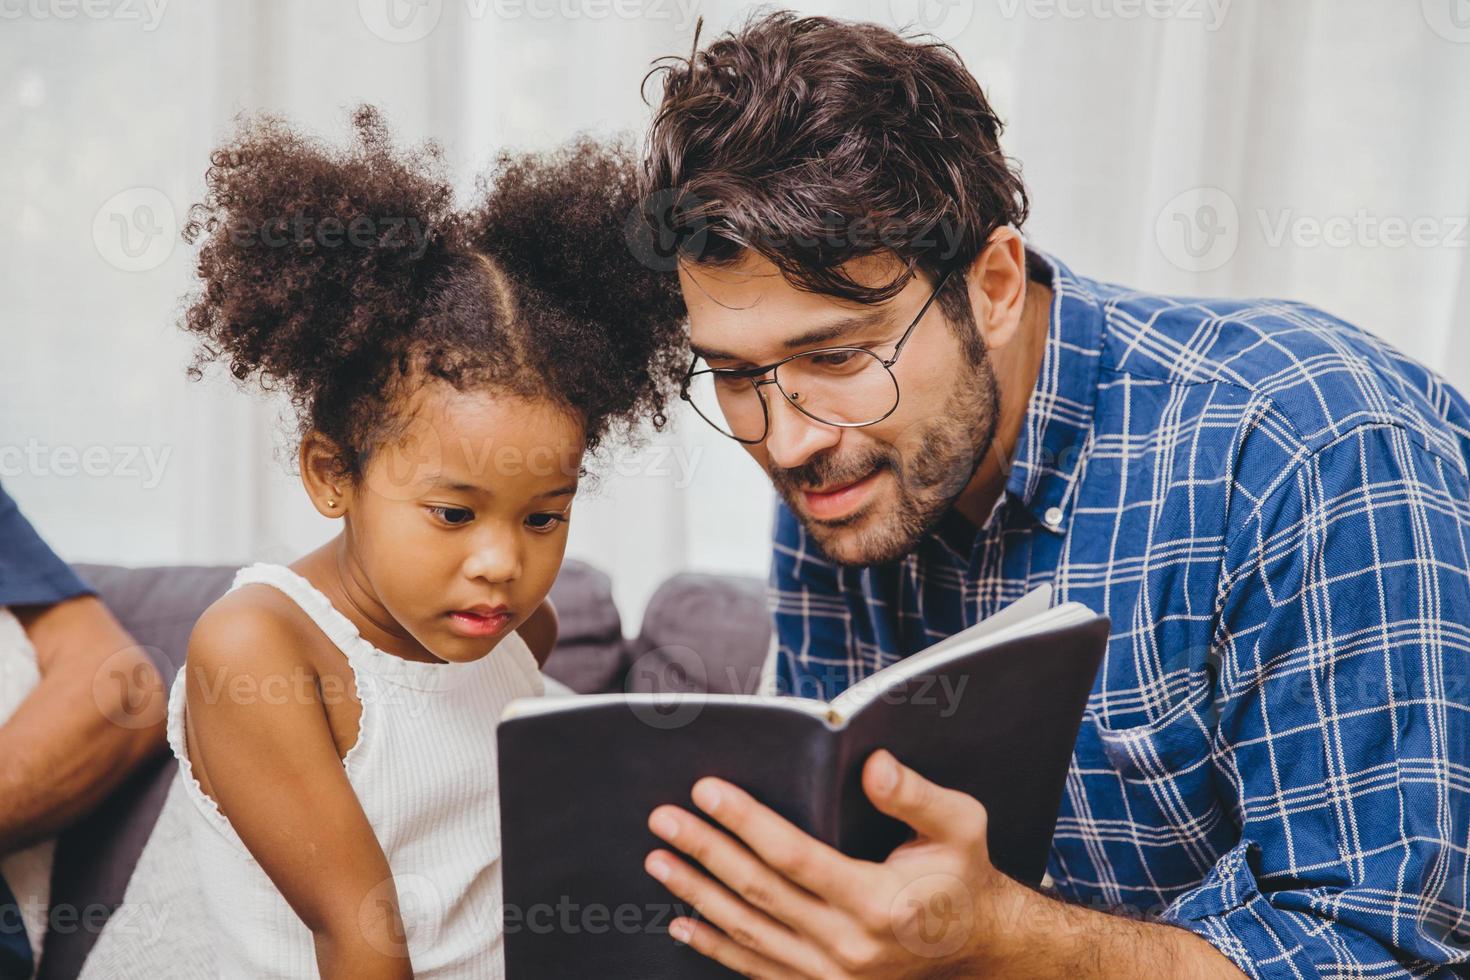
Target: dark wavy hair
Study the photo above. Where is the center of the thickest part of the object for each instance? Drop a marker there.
(814, 142)
(347, 277)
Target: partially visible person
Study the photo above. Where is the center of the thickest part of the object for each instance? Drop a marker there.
(450, 370)
(81, 705)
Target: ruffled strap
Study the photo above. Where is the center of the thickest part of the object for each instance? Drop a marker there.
(362, 655)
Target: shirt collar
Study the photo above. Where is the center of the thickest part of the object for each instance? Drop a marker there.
(1058, 418)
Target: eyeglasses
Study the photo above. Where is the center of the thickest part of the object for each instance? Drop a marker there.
(848, 387)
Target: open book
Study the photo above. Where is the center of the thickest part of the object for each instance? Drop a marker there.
(992, 711)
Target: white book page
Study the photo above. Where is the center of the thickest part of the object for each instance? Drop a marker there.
(1026, 616)
(658, 704)
(850, 701)
(1033, 603)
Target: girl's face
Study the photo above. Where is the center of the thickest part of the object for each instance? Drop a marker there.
(458, 528)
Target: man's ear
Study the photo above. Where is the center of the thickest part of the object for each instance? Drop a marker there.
(997, 286)
(322, 475)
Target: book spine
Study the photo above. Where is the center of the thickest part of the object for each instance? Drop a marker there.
(827, 785)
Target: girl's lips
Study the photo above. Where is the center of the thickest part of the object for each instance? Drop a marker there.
(835, 504)
(476, 625)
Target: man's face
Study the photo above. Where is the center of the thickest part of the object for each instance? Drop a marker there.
(866, 495)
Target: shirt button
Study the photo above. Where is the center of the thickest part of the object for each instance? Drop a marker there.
(1053, 517)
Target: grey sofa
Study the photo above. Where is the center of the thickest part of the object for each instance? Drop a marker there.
(699, 632)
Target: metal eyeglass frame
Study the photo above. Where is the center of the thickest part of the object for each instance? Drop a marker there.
(757, 382)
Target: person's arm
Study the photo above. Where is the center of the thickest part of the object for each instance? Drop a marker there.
(97, 712)
(781, 904)
(1342, 718)
(270, 762)
(540, 631)
(1343, 721)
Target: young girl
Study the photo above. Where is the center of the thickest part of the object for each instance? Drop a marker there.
(335, 722)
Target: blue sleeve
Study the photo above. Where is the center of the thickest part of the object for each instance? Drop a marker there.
(30, 572)
(1343, 720)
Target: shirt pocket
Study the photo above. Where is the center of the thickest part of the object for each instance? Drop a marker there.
(1171, 795)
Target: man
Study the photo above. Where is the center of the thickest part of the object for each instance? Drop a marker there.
(1273, 508)
(80, 707)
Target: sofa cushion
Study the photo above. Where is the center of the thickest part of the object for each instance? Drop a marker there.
(702, 633)
(158, 606)
(590, 655)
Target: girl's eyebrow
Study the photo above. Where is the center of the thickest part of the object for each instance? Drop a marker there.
(457, 486)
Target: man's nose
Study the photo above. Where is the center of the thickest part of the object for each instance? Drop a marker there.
(793, 437)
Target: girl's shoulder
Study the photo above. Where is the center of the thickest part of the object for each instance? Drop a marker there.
(256, 629)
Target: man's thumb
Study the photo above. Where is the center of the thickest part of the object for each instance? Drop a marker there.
(934, 811)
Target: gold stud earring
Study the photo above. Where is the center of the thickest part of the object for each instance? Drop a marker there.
(331, 503)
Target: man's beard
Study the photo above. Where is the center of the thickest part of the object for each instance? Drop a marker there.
(946, 451)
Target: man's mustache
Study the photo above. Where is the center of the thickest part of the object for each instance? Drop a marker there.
(829, 471)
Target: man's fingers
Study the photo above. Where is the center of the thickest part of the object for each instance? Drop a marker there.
(824, 871)
(756, 933)
(934, 811)
(741, 871)
(719, 947)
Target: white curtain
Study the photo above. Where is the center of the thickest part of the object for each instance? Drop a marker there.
(1313, 149)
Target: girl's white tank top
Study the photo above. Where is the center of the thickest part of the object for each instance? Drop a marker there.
(423, 768)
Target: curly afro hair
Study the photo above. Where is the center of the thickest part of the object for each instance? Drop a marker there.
(348, 278)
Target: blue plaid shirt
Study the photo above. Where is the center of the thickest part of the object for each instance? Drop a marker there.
(1273, 507)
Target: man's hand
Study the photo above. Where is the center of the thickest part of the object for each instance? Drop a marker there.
(787, 905)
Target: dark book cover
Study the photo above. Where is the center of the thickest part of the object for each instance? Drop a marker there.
(578, 780)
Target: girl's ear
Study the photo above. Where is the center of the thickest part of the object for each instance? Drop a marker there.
(321, 474)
